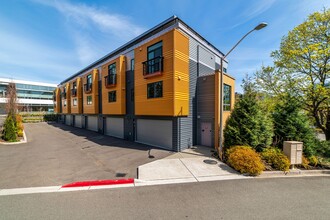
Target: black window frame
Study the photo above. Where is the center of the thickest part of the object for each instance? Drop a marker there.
(151, 90)
(227, 97)
(112, 96)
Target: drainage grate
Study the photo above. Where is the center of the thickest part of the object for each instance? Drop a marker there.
(212, 162)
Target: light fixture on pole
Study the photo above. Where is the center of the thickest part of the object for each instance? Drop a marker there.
(257, 28)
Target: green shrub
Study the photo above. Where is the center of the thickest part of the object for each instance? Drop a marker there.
(245, 160)
(305, 162)
(291, 123)
(50, 117)
(276, 158)
(9, 130)
(248, 124)
(323, 149)
(313, 160)
(20, 133)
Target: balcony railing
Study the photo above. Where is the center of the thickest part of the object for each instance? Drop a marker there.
(63, 95)
(88, 87)
(110, 80)
(73, 92)
(153, 67)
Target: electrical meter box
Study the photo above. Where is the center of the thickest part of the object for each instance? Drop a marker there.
(293, 150)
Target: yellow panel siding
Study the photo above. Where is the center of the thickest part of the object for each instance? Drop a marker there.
(67, 108)
(58, 100)
(94, 107)
(163, 106)
(231, 82)
(118, 107)
(77, 109)
(181, 77)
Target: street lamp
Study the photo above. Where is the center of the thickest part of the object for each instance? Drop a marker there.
(257, 28)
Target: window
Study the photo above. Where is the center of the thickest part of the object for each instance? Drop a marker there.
(155, 90)
(89, 79)
(74, 89)
(112, 96)
(226, 97)
(225, 70)
(64, 103)
(110, 79)
(89, 100)
(74, 102)
(154, 61)
(74, 85)
(132, 64)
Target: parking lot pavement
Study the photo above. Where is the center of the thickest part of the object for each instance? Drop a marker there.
(57, 154)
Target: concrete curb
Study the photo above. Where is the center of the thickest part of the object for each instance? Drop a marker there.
(295, 172)
(99, 183)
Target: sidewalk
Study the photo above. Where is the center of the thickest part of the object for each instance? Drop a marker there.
(191, 165)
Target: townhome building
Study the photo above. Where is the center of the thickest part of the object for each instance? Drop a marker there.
(161, 88)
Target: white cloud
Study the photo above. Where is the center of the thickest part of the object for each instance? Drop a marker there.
(257, 8)
(87, 21)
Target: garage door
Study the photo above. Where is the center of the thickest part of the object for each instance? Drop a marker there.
(92, 123)
(68, 119)
(155, 132)
(114, 127)
(78, 121)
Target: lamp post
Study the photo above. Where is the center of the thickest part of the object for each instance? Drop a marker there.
(258, 27)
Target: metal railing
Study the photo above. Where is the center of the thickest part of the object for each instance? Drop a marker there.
(88, 87)
(110, 80)
(153, 66)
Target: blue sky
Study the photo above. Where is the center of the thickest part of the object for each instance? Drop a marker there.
(47, 41)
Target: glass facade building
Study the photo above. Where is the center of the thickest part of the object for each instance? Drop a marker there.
(32, 96)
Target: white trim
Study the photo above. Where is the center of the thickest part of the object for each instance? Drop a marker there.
(7, 80)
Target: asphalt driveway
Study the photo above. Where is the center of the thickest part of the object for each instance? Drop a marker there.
(57, 154)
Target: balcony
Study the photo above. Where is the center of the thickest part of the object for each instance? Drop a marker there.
(63, 94)
(153, 67)
(88, 88)
(110, 80)
(73, 92)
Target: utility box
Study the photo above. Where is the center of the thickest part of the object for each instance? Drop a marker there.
(293, 150)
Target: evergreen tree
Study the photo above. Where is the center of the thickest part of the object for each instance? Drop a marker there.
(248, 124)
(291, 124)
(9, 131)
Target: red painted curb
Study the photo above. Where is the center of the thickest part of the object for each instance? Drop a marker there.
(98, 183)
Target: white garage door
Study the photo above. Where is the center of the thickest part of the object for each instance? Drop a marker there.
(155, 132)
(68, 119)
(115, 127)
(92, 123)
(78, 121)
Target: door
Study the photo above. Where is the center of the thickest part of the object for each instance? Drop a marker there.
(157, 133)
(129, 124)
(206, 134)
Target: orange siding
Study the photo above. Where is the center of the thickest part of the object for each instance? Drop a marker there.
(118, 107)
(58, 100)
(67, 108)
(181, 74)
(175, 91)
(94, 107)
(77, 109)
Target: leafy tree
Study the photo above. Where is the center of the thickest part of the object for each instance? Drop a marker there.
(9, 131)
(248, 124)
(291, 124)
(302, 68)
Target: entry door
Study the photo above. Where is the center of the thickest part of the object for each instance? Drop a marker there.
(129, 125)
(206, 134)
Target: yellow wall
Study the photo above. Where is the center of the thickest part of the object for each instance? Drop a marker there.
(57, 103)
(231, 82)
(78, 108)
(118, 107)
(94, 107)
(175, 77)
(66, 109)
